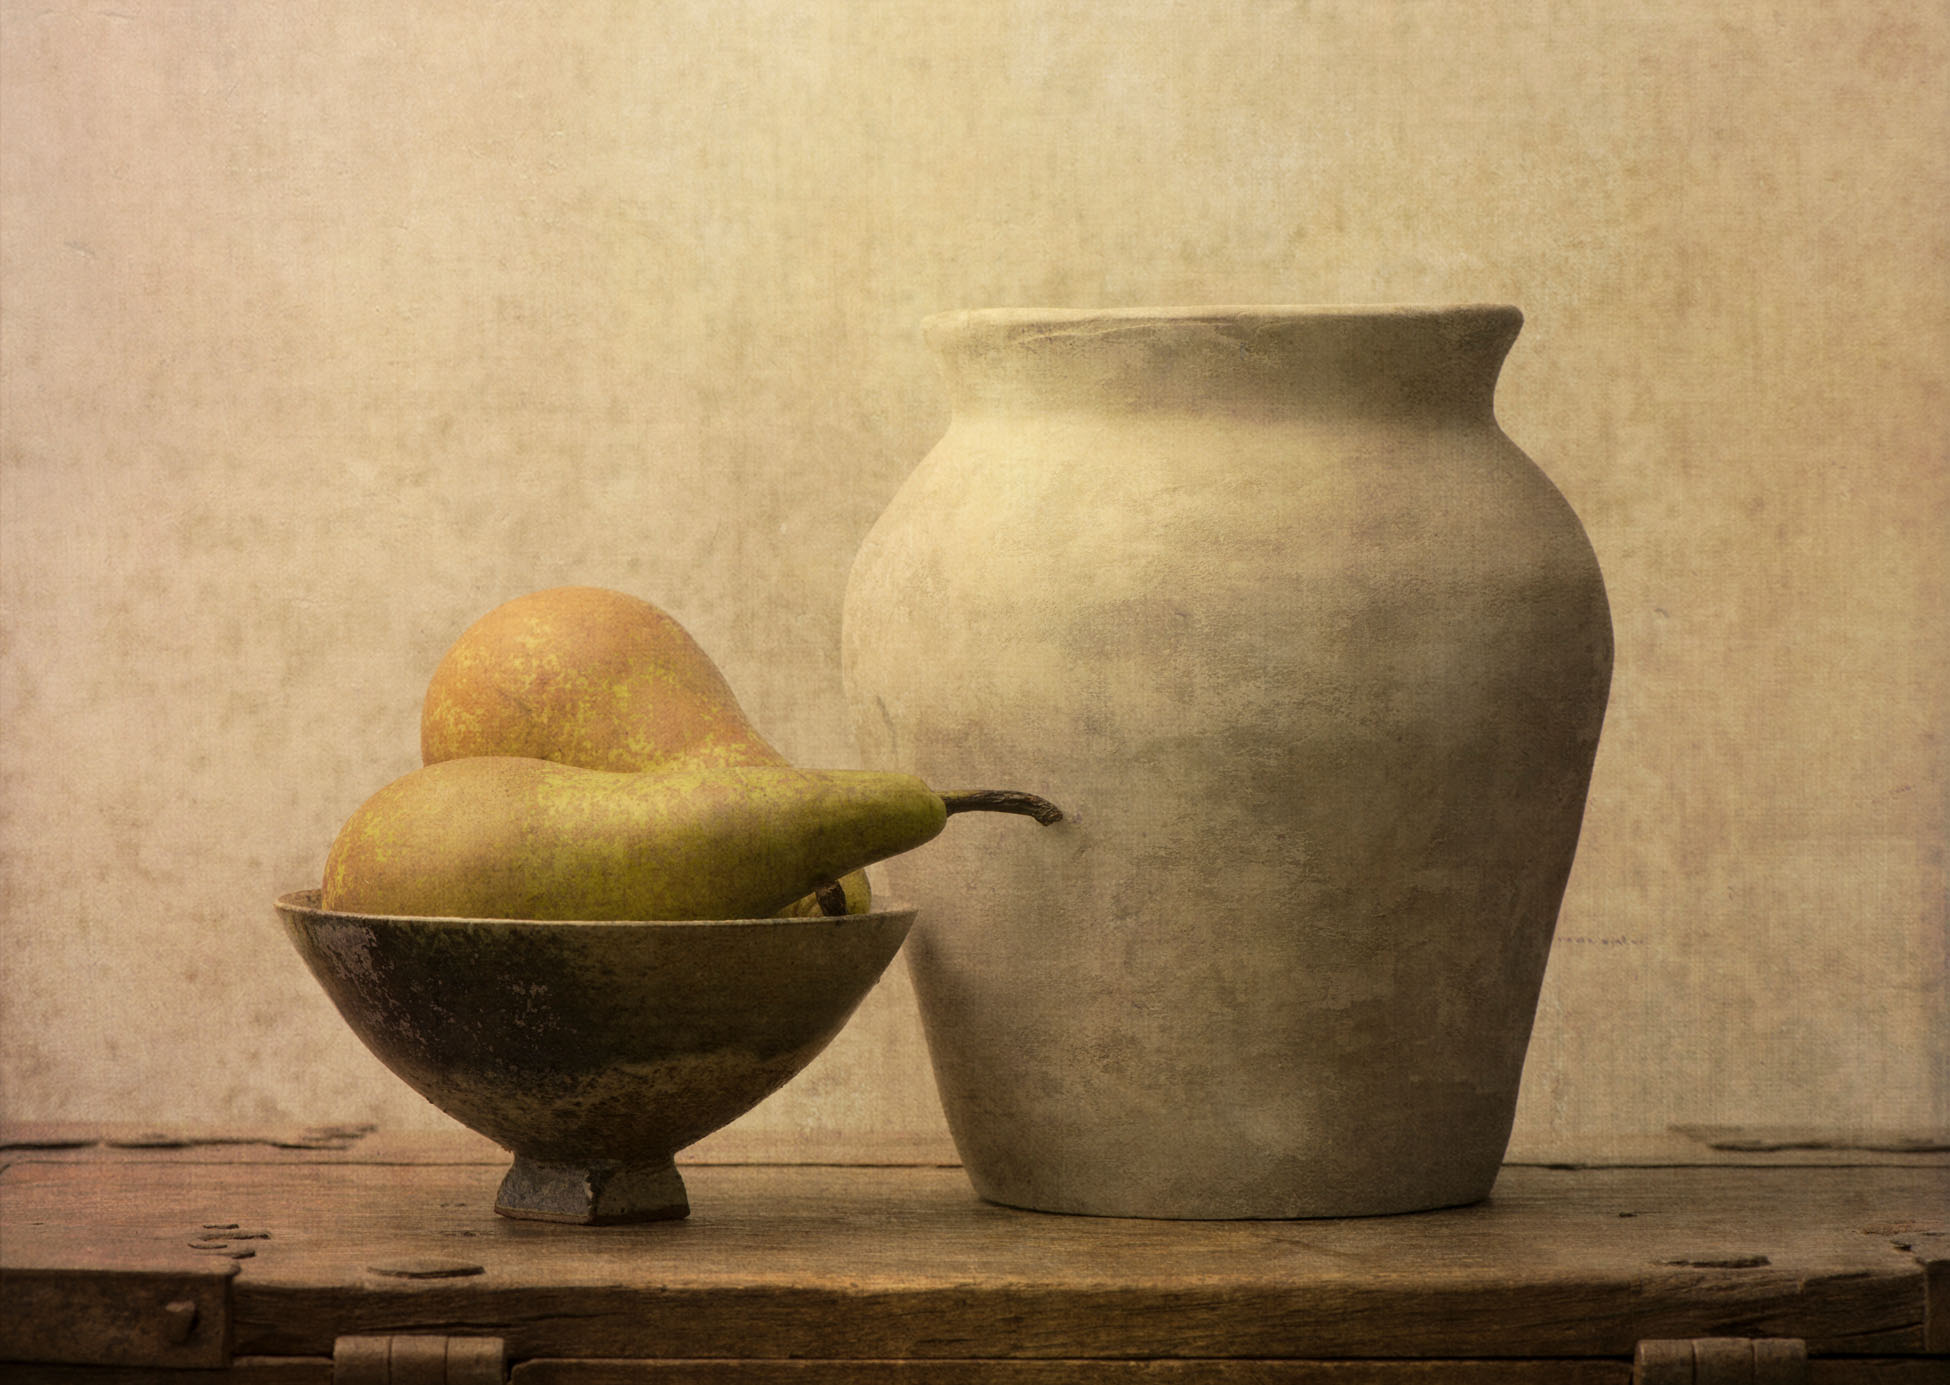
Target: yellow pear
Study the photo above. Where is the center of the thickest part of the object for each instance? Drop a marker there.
(517, 837)
(590, 677)
(599, 679)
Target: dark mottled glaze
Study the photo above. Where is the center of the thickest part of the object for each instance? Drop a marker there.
(594, 1044)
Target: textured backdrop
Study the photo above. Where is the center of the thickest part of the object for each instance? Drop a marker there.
(327, 327)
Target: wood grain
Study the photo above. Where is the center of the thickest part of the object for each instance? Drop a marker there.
(972, 1372)
(1684, 1146)
(352, 1144)
(886, 1264)
(246, 1370)
(1840, 1371)
(260, 1370)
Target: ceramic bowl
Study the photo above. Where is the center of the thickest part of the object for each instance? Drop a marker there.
(594, 1051)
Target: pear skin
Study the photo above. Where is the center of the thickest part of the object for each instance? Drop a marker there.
(517, 837)
(590, 677)
(594, 678)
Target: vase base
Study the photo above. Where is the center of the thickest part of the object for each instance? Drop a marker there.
(1120, 1214)
(1218, 1204)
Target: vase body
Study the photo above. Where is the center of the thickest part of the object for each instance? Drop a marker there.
(1315, 658)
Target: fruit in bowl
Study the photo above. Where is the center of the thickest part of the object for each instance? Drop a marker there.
(605, 918)
(599, 679)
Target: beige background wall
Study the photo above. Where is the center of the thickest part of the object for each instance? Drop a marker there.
(327, 327)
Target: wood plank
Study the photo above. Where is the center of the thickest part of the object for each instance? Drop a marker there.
(1732, 1146)
(168, 1315)
(318, 1371)
(41, 1141)
(93, 1142)
(1936, 1307)
(246, 1370)
(1681, 1146)
(1835, 1371)
(990, 1372)
(783, 1262)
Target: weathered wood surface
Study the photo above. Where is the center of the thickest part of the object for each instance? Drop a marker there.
(247, 1370)
(1681, 1146)
(355, 1144)
(260, 1370)
(887, 1264)
(1853, 1371)
(1451, 1372)
(149, 1316)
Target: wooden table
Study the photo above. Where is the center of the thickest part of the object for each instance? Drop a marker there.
(375, 1257)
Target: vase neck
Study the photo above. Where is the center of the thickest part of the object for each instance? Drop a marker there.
(1384, 361)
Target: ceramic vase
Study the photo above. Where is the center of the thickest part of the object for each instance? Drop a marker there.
(1316, 659)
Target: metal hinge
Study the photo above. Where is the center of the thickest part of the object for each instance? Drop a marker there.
(419, 1360)
(1722, 1361)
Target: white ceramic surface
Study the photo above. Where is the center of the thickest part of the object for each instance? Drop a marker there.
(1316, 658)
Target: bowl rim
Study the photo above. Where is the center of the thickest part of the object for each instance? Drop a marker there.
(306, 903)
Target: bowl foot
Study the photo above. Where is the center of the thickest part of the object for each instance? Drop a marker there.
(603, 1192)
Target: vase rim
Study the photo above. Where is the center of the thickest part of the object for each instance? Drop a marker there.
(1397, 359)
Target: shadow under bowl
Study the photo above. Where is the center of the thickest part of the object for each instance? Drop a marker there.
(593, 1051)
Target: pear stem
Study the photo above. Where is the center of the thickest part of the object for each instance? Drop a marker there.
(1002, 801)
(832, 899)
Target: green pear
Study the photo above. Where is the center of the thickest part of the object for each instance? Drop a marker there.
(518, 837)
(596, 678)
